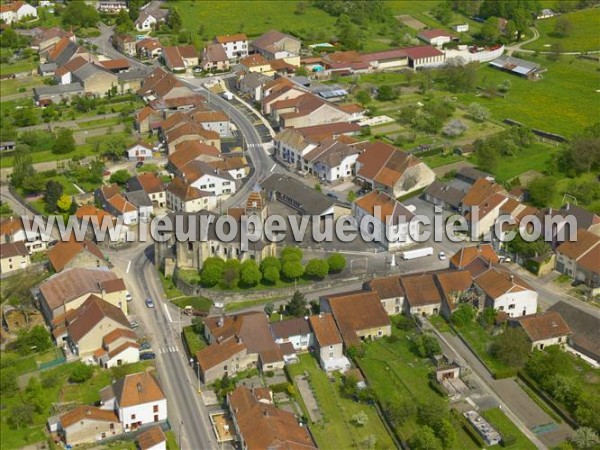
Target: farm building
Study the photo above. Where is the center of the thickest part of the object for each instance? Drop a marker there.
(525, 69)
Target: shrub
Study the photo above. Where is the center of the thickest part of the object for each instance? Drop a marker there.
(81, 372)
(336, 262)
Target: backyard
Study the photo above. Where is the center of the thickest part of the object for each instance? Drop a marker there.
(502, 424)
(336, 429)
(398, 376)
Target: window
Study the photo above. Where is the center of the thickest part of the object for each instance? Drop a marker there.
(511, 306)
(112, 426)
(155, 408)
(133, 417)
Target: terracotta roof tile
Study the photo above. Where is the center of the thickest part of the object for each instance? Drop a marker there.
(137, 389)
(547, 325)
(89, 315)
(151, 438)
(466, 255)
(421, 290)
(325, 329)
(388, 287)
(292, 327)
(12, 249)
(496, 282)
(64, 251)
(223, 39)
(87, 413)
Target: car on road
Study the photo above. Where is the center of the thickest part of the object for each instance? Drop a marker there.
(145, 346)
(442, 256)
(147, 355)
(139, 164)
(197, 69)
(133, 324)
(149, 303)
(128, 297)
(332, 195)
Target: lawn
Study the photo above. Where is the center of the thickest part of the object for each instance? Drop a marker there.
(59, 390)
(171, 441)
(396, 374)
(97, 123)
(250, 303)
(12, 86)
(501, 423)
(194, 341)
(335, 430)
(24, 65)
(171, 290)
(200, 303)
(583, 37)
(559, 103)
(441, 160)
(536, 157)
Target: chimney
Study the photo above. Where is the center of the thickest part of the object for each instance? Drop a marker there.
(139, 387)
(321, 315)
(220, 321)
(512, 277)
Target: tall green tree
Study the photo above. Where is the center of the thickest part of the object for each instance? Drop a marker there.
(79, 14)
(22, 168)
(174, 20)
(297, 305)
(250, 274)
(512, 347)
(64, 141)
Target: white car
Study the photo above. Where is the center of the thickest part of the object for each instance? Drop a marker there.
(442, 256)
(128, 297)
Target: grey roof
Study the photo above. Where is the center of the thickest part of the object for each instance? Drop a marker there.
(254, 80)
(472, 173)
(301, 197)
(585, 337)
(86, 71)
(446, 193)
(138, 198)
(58, 89)
(67, 53)
(133, 74)
(48, 67)
(301, 80)
(514, 64)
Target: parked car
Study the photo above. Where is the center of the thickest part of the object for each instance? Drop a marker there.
(442, 256)
(139, 164)
(577, 283)
(149, 303)
(145, 346)
(128, 297)
(332, 195)
(147, 355)
(133, 324)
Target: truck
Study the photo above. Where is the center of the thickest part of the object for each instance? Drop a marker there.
(417, 253)
(227, 96)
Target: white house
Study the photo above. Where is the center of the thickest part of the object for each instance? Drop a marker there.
(386, 219)
(290, 146)
(332, 160)
(12, 230)
(16, 11)
(235, 45)
(507, 292)
(182, 197)
(202, 176)
(295, 331)
(329, 343)
(139, 152)
(13, 256)
(436, 37)
(152, 439)
(137, 399)
(148, 19)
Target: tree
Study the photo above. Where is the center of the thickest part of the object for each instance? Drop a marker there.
(512, 347)
(363, 97)
(583, 154)
(22, 168)
(542, 191)
(387, 93)
(25, 117)
(231, 273)
(269, 308)
(54, 190)
(212, 271)
(81, 372)
(460, 77)
(350, 35)
(486, 155)
(360, 419)
(446, 433)
(112, 147)
(292, 270)
(585, 438)
(562, 28)
(64, 142)
(174, 20)
(297, 305)
(250, 274)
(443, 12)
(120, 177)
(526, 249)
(21, 415)
(463, 315)
(490, 31)
(64, 203)
(37, 339)
(34, 184)
(351, 196)
(124, 22)
(454, 128)
(291, 254)
(270, 261)
(336, 262)
(316, 269)
(35, 395)
(425, 345)
(8, 381)
(478, 112)
(271, 275)
(425, 439)
(79, 14)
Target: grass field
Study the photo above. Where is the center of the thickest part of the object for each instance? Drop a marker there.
(12, 86)
(537, 157)
(506, 428)
(335, 431)
(194, 341)
(200, 303)
(561, 102)
(395, 373)
(584, 36)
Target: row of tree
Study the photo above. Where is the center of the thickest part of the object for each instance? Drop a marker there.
(231, 273)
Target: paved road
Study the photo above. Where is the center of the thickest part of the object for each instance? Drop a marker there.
(187, 414)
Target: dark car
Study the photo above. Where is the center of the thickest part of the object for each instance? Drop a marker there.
(577, 283)
(145, 346)
(333, 196)
(139, 164)
(148, 355)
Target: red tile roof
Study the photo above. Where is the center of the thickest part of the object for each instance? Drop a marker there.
(231, 38)
(547, 325)
(63, 252)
